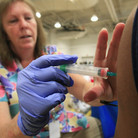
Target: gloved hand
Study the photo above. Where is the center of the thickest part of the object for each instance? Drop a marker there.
(40, 88)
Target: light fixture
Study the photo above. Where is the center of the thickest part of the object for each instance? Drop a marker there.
(38, 14)
(57, 25)
(71, 0)
(94, 18)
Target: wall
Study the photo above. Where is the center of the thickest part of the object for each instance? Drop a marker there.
(84, 47)
(62, 45)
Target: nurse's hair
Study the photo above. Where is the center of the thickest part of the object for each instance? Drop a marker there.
(7, 56)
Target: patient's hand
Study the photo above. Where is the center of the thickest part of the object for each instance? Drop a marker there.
(106, 89)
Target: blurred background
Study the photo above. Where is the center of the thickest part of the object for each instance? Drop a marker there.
(73, 25)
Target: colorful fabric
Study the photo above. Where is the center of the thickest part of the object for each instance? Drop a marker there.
(8, 79)
(69, 121)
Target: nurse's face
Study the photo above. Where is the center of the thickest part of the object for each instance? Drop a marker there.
(20, 26)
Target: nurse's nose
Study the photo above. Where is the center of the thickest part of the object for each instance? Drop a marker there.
(23, 23)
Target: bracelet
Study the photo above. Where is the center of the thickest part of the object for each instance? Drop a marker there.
(108, 103)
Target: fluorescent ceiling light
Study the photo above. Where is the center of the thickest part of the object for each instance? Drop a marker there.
(57, 25)
(94, 18)
(38, 14)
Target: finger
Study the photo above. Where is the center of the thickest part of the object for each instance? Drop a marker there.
(101, 45)
(53, 60)
(42, 89)
(50, 88)
(50, 74)
(54, 100)
(94, 93)
(114, 45)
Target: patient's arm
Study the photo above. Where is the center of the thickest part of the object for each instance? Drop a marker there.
(101, 89)
(127, 123)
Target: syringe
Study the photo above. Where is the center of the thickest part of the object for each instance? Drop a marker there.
(87, 70)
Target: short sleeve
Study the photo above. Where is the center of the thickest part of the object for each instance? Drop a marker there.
(3, 95)
(135, 49)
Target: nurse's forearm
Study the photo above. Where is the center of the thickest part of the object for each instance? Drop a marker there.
(8, 126)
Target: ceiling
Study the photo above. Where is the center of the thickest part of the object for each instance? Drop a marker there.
(74, 15)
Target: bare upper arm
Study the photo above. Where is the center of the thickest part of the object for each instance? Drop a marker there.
(127, 123)
(4, 112)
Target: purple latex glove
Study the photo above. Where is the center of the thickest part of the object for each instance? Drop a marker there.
(40, 88)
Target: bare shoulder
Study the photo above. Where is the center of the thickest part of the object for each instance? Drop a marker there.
(127, 123)
(125, 74)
